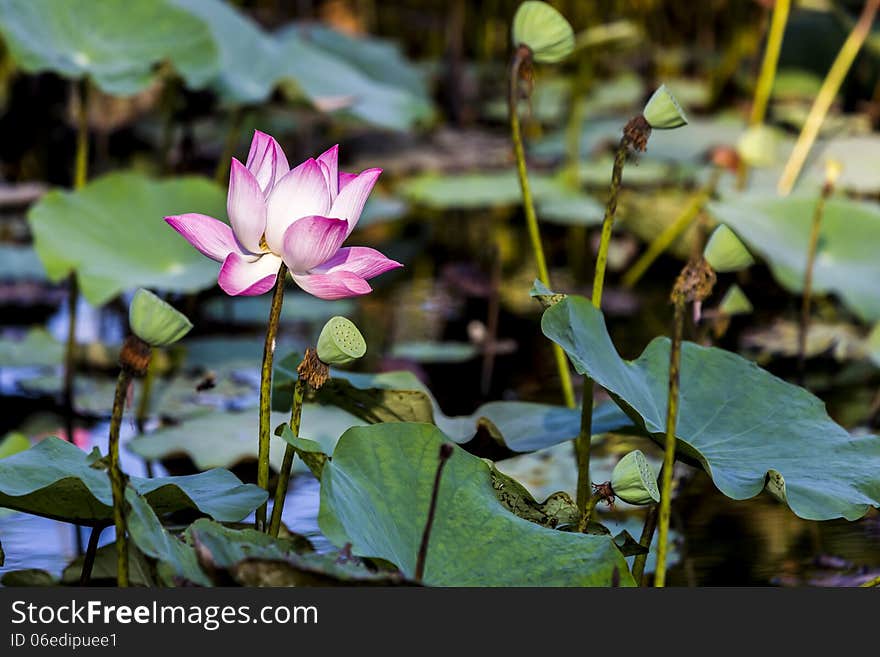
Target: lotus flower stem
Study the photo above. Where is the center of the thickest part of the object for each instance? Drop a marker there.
(870, 583)
(89, 560)
(669, 451)
(815, 230)
(266, 391)
(665, 239)
(287, 464)
(584, 521)
(521, 56)
(117, 478)
(582, 446)
(771, 58)
(143, 408)
(608, 220)
(827, 92)
(648, 529)
(80, 173)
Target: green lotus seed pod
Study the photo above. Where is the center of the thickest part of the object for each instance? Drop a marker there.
(759, 146)
(154, 321)
(735, 302)
(340, 342)
(662, 111)
(725, 252)
(544, 31)
(634, 481)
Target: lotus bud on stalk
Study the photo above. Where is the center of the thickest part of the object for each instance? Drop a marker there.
(339, 343)
(153, 323)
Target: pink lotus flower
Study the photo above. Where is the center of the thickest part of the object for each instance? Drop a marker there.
(300, 216)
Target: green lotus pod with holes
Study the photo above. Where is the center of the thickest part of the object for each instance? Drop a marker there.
(544, 31)
(155, 322)
(759, 146)
(340, 342)
(735, 302)
(634, 481)
(725, 252)
(662, 111)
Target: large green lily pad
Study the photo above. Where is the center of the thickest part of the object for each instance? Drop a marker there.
(117, 43)
(512, 426)
(20, 263)
(846, 258)
(37, 349)
(368, 79)
(375, 493)
(744, 426)
(57, 480)
(112, 235)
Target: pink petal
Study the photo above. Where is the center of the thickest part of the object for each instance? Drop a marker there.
(312, 240)
(345, 178)
(246, 207)
(302, 192)
(350, 202)
(329, 161)
(266, 160)
(333, 286)
(238, 276)
(210, 236)
(360, 260)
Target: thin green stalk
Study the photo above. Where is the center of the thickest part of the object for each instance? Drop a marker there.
(232, 136)
(827, 92)
(641, 560)
(266, 392)
(771, 58)
(287, 464)
(669, 451)
(582, 442)
(80, 173)
(143, 409)
(665, 239)
(117, 478)
(870, 583)
(587, 513)
(815, 230)
(89, 560)
(522, 55)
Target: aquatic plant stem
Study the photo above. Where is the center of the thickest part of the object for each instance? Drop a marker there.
(648, 529)
(444, 456)
(815, 230)
(80, 174)
(582, 442)
(287, 464)
(521, 56)
(85, 574)
(669, 234)
(117, 478)
(266, 391)
(827, 92)
(771, 58)
(587, 514)
(870, 583)
(143, 408)
(669, 451)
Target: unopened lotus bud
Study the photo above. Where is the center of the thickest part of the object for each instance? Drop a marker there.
(634, 481)
(154, 321)
(544, 31)
(735, 302)
(662, 111)
(725, 252)
(759, 146)
(340, 342)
